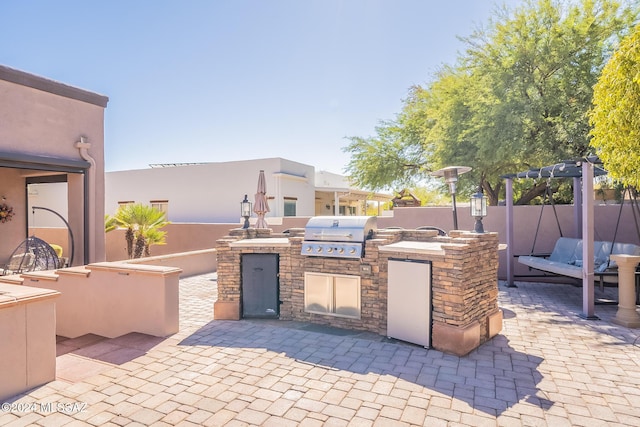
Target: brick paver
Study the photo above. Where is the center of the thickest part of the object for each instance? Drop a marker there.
(547, 367)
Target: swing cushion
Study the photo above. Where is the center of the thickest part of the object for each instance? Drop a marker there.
(566, 258)
(20, 262)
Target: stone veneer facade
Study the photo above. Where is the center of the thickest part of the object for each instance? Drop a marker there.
(464, 286)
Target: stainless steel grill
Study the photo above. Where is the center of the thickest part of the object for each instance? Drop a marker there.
(337, 236)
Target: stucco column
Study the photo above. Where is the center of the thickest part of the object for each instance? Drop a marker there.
(627, 314)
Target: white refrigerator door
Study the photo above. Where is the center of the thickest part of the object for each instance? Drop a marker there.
(409, 302)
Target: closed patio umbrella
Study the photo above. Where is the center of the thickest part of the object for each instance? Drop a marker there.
(261, 207)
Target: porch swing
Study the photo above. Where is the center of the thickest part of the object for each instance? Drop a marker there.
(566, 257)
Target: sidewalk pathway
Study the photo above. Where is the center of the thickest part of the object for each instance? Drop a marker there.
(548, 367)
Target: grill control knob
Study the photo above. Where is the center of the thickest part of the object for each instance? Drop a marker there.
(352, 251)
(341, 250)
(319, 249)
(329, 250)
(309, 249)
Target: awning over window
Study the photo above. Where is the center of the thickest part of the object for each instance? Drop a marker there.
(43, 163)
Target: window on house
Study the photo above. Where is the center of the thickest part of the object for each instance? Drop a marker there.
(125, 203)
(332, 294)
(347, 210)
(290, 206)
(161, 205)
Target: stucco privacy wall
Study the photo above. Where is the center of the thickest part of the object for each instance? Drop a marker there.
(524, 227)
(186, 237)
(43, 118)
(190, 237)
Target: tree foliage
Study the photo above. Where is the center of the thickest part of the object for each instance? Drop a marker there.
(142, 224)
(615, 116)
(518, 97)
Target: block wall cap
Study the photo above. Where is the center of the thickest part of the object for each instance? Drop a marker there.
(123, 267)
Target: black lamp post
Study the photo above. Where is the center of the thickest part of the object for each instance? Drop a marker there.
(478, 210)
(245, 211)
(450, 175)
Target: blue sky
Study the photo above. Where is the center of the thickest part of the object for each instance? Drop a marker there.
(209, 81)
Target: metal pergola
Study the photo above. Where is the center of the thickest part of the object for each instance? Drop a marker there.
(582, 171)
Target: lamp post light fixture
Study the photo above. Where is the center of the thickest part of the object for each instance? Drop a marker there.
(245, 211)
(450, 175)
(478, 210)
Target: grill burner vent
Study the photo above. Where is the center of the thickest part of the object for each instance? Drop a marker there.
(337, 236)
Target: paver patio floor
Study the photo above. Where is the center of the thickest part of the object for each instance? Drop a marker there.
(547, 367)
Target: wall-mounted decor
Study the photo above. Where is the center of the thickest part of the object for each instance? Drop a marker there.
(6, 212)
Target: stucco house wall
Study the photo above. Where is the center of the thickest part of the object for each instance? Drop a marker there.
(212, 192)
(46, 129)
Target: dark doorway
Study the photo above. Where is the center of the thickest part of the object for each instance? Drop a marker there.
(260, 286)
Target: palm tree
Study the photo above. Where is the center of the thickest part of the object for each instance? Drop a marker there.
(154, 237)
(143, 224)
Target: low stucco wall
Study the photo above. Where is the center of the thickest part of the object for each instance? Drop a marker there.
(191, 263)
(188, 237)
(111, 299)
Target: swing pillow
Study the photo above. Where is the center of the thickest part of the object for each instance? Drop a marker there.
(567, 251)
(598, 267)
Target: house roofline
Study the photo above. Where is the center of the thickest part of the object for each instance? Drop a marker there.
(47, 85)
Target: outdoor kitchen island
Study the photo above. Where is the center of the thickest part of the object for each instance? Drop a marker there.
(261, 274)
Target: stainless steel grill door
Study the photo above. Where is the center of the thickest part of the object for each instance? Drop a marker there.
(260, 286)
(409, 301)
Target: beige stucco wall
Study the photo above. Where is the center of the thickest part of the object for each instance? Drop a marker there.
(12, 188)
(38, 122)
(183, 237)
(525, 224)
(44, 118)
(191, 263)
(188, 237)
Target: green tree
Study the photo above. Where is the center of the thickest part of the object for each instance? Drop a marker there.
(615, 116)
(142, 224)
(518, 97)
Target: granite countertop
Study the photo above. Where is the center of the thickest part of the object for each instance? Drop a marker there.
(264, 242)
(411, 247)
